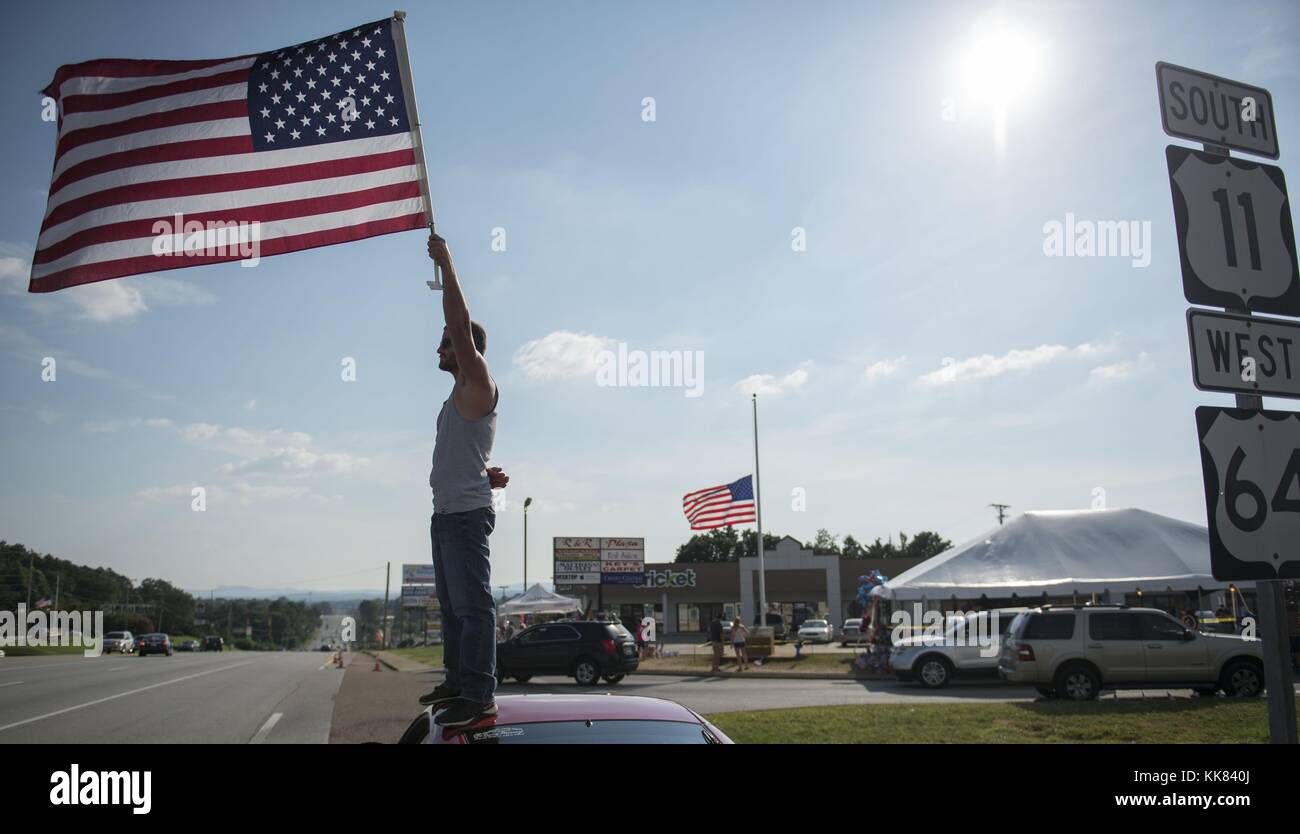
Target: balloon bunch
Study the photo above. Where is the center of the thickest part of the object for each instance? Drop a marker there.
(866, 583)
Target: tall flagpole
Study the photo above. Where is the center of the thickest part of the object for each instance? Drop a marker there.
(417, 140)
(758, 514)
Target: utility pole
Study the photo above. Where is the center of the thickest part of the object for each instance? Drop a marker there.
(57, 578)
(1002, 511)
(31, 567)
(383, 626)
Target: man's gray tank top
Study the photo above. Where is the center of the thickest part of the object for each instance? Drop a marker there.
(460, 454)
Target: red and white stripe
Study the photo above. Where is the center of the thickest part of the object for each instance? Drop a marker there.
(141, 141)
(707, 509)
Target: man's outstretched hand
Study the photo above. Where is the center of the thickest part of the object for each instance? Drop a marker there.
(440, 254)
(497, 478)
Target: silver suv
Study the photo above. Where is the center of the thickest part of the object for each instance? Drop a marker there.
(1072, 652)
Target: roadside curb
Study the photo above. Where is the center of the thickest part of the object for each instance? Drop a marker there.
(809, 676)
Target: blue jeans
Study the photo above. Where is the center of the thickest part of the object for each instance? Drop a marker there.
(463, 575)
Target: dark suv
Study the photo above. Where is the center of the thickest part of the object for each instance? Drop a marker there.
(586, 651)
(213, 643)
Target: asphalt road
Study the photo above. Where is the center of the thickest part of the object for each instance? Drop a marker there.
(227, 697)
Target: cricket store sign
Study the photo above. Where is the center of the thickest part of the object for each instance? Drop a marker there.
(669, 579)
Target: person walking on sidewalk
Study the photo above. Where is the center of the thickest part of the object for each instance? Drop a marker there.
(463, 516)
(738, 632)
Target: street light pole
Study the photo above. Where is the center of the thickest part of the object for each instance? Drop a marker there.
(527, 502)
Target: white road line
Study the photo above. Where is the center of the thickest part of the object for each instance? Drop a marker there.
(119, 695)
(266, 728)
(15, 683)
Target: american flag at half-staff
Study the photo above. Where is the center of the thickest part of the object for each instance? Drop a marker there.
(720, 506)
(313, 142)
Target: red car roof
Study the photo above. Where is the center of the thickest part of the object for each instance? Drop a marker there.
(522, 709)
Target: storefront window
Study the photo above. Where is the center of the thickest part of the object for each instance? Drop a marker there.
(688, 617)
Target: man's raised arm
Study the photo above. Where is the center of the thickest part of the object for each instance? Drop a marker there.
(455, 312)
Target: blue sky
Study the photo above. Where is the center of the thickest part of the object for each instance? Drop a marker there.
(924, 243)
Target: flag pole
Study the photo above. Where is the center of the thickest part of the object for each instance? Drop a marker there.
(758, 515)
(412, 112)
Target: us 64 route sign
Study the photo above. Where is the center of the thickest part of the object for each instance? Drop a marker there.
(1236, 243)
(1250, 461)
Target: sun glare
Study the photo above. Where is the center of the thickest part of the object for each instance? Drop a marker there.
(1001, 66)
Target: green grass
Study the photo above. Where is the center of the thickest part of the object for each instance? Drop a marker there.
(1146, 721)
(428, 655)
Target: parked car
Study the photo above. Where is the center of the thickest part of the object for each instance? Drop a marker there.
(774, 622)
(1073, 652)
(213, 643)
(853, 632)
(187, 646)
(573, 719)
(153, 644)
(934, 660)
(119, 641)
(817, 631)
(587, 651)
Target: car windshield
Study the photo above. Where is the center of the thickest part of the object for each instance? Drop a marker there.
(114, 635)
(591, 732)
(815, 624)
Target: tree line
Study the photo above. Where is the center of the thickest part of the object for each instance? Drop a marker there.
(152, 604)
(727, 544)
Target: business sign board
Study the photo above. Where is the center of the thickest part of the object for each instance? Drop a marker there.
(1239, 354)
(1250, 463)
(592, 578)
(1216, 111)
(1236, 243)
(597, 561)
(578, 567)
(418, 574)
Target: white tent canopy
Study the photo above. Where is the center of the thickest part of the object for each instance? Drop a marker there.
(538, 600)
(1065, 552)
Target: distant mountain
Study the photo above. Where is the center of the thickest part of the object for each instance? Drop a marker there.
(295, 594)
(302, 595)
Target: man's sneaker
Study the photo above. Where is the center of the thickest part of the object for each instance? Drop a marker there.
(463, 711)
(441, 693)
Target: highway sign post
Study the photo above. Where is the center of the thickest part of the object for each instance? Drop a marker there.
(1236, 249)
(1238, 354)
(1206, 108)
(1236, 244)
(1250, 461)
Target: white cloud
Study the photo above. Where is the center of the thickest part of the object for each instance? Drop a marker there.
(769, 385)
(562, 354)
(884, 368)
(103, 300)
(1121, 370)
(987, 366)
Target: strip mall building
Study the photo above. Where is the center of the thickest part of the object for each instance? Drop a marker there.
(685, 597)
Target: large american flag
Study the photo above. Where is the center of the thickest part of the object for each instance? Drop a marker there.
(311, 141)
(720, 506)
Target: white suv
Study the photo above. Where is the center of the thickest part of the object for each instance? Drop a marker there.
(934, 660)
(1073, 652)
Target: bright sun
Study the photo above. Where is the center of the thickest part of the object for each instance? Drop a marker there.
(1001, 66)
